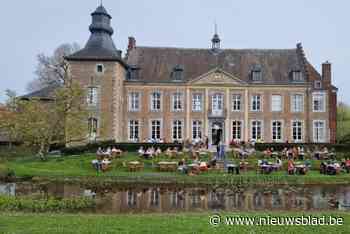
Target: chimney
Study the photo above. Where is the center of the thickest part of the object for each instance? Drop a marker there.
(132, 43)
(327, 73)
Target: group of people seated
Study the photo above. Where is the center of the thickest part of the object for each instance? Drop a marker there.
(196, 166)
(104, 158)
(267, 167)
(243, 149)
(149, 153)
(330, 167)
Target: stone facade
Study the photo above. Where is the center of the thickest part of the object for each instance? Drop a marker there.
(215, 75)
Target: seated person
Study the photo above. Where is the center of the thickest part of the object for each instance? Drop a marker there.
(279, 163)
(108, 152)
(347, 165)
(203, 166)
(158, 152)
(168, 152)
(149, 153)
(268, 152)
(182, 167)
(290, 153)
(212, 162)
(308, 164)
(323, 168)
(105, 164)
(141, 151)
(96, 164)
(291, 167)
(301, 153)
(324, 153)
(284, 152)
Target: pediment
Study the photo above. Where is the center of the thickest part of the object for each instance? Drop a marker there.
(217, 77)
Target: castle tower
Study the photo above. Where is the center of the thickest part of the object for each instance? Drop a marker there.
(100, 70)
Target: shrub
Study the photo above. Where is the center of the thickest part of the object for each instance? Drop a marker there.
(9, 203)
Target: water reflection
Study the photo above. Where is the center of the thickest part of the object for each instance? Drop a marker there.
(170, 199)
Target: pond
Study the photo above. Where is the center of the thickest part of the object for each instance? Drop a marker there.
(144, 199)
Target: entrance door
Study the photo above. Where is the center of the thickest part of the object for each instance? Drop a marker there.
(217, 133)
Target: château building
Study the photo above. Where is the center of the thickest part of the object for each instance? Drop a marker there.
(173, 94)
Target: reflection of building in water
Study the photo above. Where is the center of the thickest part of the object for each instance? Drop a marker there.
(217, 200)
(258, 200)
(8, 189)
(276, 199)
(154, 198)
(236, 201)
(177, 200)
(131, 199)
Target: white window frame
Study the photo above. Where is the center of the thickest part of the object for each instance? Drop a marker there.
(297, 76)
(281, 128)
(92, 97)
(197, 129)
(131, 136)
(197, 102)
(318, 84)
(132, 101)
(280, 109)
(252, 100)
(323, 106)
(179, 131)
(261, 129)
(152, 100)
(302, 130)
(217, 102)
(237, 102)
(177, 103)
(233, 137)
(314, 131)
(151, 129)
(294, 103)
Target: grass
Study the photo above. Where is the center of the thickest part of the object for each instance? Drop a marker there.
(79, 168)
(18, 223)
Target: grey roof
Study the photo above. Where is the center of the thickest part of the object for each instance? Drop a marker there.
(100, 45)
(157, 63)
(44, 93)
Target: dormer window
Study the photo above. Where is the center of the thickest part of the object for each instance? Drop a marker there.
(256, 75)
(318, 84)
(99, 68)
(134, 73)
(297, 76)
(177, 73)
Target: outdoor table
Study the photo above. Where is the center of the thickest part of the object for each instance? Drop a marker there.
(135, 166)
(167, 166)
(266, 168)
(274, 154)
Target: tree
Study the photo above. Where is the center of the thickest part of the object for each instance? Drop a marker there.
(43, 123)
(52, 70)
(8, 124)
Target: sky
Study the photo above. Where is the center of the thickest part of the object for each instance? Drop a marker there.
(39, 26)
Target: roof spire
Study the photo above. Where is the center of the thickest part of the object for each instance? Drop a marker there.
(216, 39)
(101, 2)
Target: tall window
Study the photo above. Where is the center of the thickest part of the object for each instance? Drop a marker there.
(134, 130)
(297, 130)
(217, 104)
(177, 130)
(236, 102)
(237, 130)
(319, 130)
(155, 129)
(99, 68)
(277, 130)
(155, 101)
(256, 130)
(318, 102)
(256, 75)
(134, 101)
(297, 102)
(92, 96)
(297, 76)
(276, 103)
(256, 103)
(197, 102)
(197, 129)
(177, 102)
(92, 128)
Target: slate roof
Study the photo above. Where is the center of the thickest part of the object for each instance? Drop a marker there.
(44, 93)
(157, 63)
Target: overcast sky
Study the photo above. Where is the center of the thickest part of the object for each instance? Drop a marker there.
(32, 27)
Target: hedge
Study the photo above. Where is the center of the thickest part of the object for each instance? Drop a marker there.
(342, 148)
(130, 147)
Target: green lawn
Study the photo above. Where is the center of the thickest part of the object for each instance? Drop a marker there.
(79, 167)
(15, 223)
